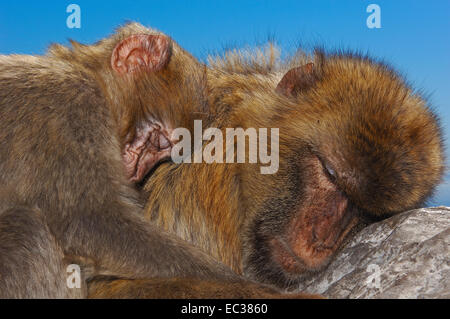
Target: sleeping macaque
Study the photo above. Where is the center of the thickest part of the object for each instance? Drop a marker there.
(69, 121)
(356, 145)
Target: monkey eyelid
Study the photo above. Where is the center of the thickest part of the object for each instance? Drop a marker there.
(328, 170)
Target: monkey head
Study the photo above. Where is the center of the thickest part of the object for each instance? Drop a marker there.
(152, 86)
(163, 89)
(356, 145)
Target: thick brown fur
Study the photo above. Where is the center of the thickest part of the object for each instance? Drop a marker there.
(357, 116)
(184, 288)
(65, 118)
(352, 114)
(354, 110)
(169, 96)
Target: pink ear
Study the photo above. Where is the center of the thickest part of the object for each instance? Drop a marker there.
(141, 52)
(297, 80)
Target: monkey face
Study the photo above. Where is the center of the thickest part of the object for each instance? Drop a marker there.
(160, 88)
(359, 146)
(318, 224)
(296, 234)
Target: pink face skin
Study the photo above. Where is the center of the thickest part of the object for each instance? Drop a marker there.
(318, 228)
(150, 146)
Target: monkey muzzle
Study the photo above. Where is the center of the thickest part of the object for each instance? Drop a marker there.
(312, 239)
(316, 230)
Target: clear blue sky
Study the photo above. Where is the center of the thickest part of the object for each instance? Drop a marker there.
(414, 36)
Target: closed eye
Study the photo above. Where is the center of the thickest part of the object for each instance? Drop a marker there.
(330, 171)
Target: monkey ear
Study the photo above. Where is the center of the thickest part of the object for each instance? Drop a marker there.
(141, 52)
(297, 80)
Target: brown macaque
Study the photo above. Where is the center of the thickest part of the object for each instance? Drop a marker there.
(356, 145)
(68, 122)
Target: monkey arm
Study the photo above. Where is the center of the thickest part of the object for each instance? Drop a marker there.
(126, 245)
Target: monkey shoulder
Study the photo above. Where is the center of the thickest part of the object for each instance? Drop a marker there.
(34, 88)
(55, 114)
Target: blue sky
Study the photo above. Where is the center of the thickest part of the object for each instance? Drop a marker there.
(414, 36)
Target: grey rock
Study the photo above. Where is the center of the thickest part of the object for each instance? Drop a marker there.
(408, 253)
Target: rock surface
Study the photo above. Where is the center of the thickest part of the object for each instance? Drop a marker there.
(406, 256)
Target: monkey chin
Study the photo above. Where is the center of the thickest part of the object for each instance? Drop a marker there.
(313, 236)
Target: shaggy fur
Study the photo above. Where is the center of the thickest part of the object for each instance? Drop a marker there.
(184, 288)
(358, 116)
(64, 195)
(65, 121)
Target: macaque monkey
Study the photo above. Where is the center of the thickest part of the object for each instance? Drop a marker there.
(356, 145)
(69, 121)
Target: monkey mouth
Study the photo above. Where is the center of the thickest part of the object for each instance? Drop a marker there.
(311, 243)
